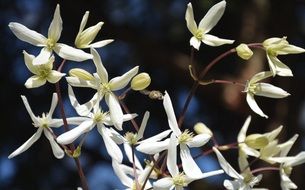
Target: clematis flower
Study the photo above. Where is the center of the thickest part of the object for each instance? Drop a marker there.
(85, 37)
(50, 43)
(43, 125)
(254, 87)
(200, 33)
(42, 73)
(185, 140)
(88, 121)
(106, 88)
(279, 46)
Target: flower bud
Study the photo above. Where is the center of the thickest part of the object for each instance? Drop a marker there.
(140, 81)
(81, 73)
(244, 52)
(201, 128)
(256, 141)
(84, 38)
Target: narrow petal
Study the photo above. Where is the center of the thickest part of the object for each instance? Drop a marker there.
(126, 117)
(76, 120)
(189, 166)
(280, 68)
(82, 25)
(298, 159)
(70, 53)
(243, 131)
(28, 59)
(120, 82)
(128, 151)
(100, 44)
(43, 57)
(116, 137)
(112, 148)
(28, 108)
(286, 146)
(35, 82)
(290, 49)
(55, 76)
(27, 35)
(165, 183)
(195, 43)
(55, 27)
(212, 17)
(57, 151)
(231, 185)
(249, 151)
(260, 76)
(124, 178)
(171, 161)
(199, 140)
(77, 82)
(115, 109)
(27, 144)
(271, 64)
(172, 121)
(143, 125)
(53, 104)
(209, 174)
(100, 69)
(56, 123)
(215, 41)
(153, 148)
(190, 21)
(268, 90)
(253, 105)
(70, 136)
(157, 137)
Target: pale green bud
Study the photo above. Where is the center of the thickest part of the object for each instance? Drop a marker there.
(244, 52)
(256, 141)
(81, 73)
(140, 81)
(201, 128)
(84, 38)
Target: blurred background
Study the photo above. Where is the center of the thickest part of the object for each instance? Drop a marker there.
(153, 35)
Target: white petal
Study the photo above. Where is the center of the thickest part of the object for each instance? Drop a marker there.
(35, 82)
(28, 108)
(82, 24)
(100, 69)
(260, 76)
(290, 49)
(28, 59)
(43, 57)
(56, 123)
(70, 53)
(285, 147)
(143, 125)
(199, 140)
(55, 76)
(209, 174)
(163, 184)
(77, 82)
(215, 41)
(253, 105)
(157, 137)
(116, 112)
(278, 67)
(120, 82)
(298, 159)
(190, 21)
(189, 166)
(153, 148)
(212, 17)
(117, 137)
(55, 27)
(226, 166)
(100, 44)
(70, 136)
(172, 121)
(126, 117)
(171, 161)
(249, 151)
(231, 185)
(57, 151)
(27, 35)
(127, 181)
(112, 148)
(243, 131)
(128, 151)
(53, 104)
(195, 42)
(27, 144)
(76, 120)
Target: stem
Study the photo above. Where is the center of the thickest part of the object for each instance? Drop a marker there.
(265, 169)
(135, 125)
(146, 179)
(228, 82)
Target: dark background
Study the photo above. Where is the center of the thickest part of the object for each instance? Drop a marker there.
(153, 35)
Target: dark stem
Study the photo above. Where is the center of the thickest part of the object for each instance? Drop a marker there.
(135, 125)
(228, 82)
(265, 169)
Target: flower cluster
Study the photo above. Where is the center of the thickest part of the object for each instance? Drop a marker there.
(162, 170)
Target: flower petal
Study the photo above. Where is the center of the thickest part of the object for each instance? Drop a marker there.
(27, 144)
(165, 183)
(171, 160)
(172, 121)
(215, 41)
(298, 159)
(82, 24)
(28, 108)
(279, 68)
(243, 131)
(100, 69)
(116, 113)
(153, 148)
(70, 136)
(271, 91)
(189, 166)
(253, 105)
(100, 44)
(78, 82)
(157, 137)
(28, 59)
(27, 35)
(285, 147)
(55, 27)
(128, 151)
(199, 140)
(57, 151)
(143, 125)
(53, 104)
(212, 17)
(70, 53)
(76, 120)
(260, 76)
(35, 82)
(290, 49)
(190, 21)
(43, 57)
(55, 76)
(120, 82)
(124, 178)
(195, 42)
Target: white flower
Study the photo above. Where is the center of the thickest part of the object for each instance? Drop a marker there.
(254, 87)
(279, 46)
(49, 44)
(105, 87)
(88, 121)
(85, 37)
(44, 124)
(200, 33)
(42, 73)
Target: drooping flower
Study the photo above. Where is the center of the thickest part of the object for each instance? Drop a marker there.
(50, 43)
(254, 87)
(279, 46)
(42, 73)
(44, 124)
(200, 33)
(85, 37)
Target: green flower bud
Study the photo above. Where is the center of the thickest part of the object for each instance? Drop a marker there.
(81, 73)
(256, 141)
(140, 81)
(244, 52)
(201, 128)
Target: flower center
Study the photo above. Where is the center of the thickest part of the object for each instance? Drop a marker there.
(199, 34)
(179, 180)
(131, 138)
(185, 137)
(99, 116)
(42, 121)
(43, 70)
(50, 43)
(105, 87)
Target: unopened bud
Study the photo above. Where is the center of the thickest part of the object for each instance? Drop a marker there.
(84, 38)
(244, 52)
(81, 73)
(140, 81)
(201, 128)
(256, 141)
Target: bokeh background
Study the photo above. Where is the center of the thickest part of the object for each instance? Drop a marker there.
(153, 35)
